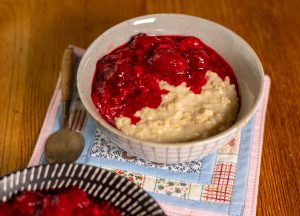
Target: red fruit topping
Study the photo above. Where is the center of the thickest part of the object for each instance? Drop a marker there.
(70, 202)
(27, 203)
(144, 42)
(169, 62)
(190, 43)
(198, 59)
(127, 79)
(6, 209)
(80, 200)
(196, 80)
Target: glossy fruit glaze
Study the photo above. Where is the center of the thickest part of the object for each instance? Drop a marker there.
(69, 202)
(127, 79)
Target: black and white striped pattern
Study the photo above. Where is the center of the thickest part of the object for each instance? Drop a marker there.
(96, 182)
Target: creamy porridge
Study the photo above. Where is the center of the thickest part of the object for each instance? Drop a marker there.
(184, 115)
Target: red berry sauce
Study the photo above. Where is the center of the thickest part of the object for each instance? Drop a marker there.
(69, 202)
(127, 79)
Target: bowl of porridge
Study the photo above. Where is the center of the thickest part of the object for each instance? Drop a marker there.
(169, 87)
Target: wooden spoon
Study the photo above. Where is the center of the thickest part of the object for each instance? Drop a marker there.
(65, 145)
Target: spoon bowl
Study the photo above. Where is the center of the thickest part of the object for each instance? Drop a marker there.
(64, 146)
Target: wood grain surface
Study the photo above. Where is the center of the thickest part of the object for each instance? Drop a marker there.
(33, 35)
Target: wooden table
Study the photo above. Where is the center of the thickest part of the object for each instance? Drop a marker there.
(33, 35)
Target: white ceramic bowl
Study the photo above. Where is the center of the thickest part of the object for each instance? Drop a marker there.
(229, 45)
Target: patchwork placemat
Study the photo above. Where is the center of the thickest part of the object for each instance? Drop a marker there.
(104, 152)
(218, 183)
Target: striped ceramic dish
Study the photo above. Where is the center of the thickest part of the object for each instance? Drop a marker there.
(96, 182)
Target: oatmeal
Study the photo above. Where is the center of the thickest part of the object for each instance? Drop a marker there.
(184, 115)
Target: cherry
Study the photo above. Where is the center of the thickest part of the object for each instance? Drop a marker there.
(164, 47)
(144, 42)
(6, 210)
(126, 56)
(139, 70)
(198, 59)
(106, 208)
(123, 72)
(167, 40)
(169, 62)
(165, 43)
(190, 43)
(27, 202)
(81, 199)
(196, 80)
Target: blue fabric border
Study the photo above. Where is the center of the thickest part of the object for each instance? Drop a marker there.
(204, 177)
(239, 190)
(192, 204)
